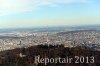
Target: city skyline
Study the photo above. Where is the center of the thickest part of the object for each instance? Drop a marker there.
(35, 13)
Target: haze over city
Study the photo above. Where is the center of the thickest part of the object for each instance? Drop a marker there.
(35, 13)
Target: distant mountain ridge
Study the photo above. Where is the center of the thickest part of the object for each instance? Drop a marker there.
(52, 29)
(76, 31)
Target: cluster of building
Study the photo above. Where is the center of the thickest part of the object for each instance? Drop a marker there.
(27, 39)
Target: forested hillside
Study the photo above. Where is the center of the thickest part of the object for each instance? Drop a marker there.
(26, 56)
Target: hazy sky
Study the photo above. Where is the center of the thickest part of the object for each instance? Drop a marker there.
(34, 13)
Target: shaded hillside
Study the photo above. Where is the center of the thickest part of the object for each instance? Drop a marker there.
(26, 56)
